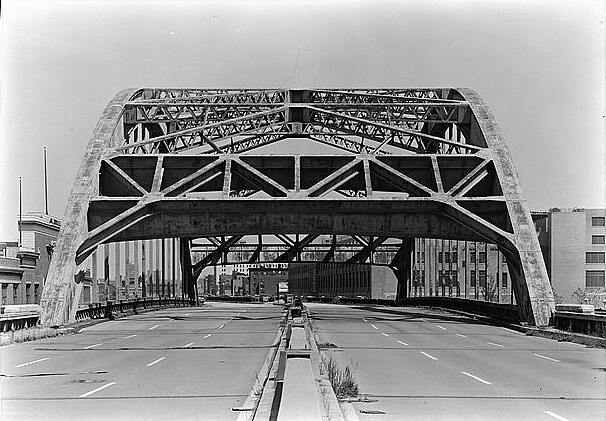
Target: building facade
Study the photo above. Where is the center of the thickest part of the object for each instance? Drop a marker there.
(265, 280)
(576, 242)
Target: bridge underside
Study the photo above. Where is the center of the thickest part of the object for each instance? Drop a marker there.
(420, 163)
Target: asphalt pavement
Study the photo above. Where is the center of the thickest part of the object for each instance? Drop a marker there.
(174, 364)
(433, 365)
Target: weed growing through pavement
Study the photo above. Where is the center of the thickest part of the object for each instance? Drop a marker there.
(342, 379)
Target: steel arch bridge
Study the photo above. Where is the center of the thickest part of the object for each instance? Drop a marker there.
(182, 163)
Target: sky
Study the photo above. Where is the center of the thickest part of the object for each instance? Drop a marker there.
(539, 65)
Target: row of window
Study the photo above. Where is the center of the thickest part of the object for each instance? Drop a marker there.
(452, 277)
(453, 257)
(598, 221)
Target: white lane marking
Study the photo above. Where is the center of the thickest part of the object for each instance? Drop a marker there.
(462, 336)
(547, 358)
(207, 335)
(155, 362)
(92, 346)
(403, 343)
(153, 327)
(428, 356)
(221, 327)
(384, 334)
(475, 377)
(556, 416)
(421, 320)
(32, 362)
(365, 320)
(441, 327)
(187, 345)
(129, 336)
(186, 314)
(492, 343)
(374, 327)
(84, 395)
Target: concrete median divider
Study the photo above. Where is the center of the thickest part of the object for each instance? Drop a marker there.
(298, 390)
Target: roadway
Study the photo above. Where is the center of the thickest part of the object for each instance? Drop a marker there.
(432, 365)
(184, 363)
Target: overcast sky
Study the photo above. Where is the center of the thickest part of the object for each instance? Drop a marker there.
(538, 64)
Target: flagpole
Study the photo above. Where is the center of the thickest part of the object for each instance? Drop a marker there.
(45, 184)
(20, 214)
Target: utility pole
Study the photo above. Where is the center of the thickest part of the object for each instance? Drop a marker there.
(45, 185)
(20, 214)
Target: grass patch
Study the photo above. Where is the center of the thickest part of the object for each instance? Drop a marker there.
(342, 379)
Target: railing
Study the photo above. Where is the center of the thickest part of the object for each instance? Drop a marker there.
(507, 312)
(110, 309)
(588, 324)
(12, 322)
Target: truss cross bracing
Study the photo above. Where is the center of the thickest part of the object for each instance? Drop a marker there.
(192, 164)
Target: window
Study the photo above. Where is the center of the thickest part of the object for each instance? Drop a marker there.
(423, 275)
(440, 278)
(482, 278)
(440, 257)
(482, 257)
(598, 221)
(463, 263)
(446, 257)
(455, 257)
(594, 278)
(454, 277)
(422, 256)
(594, 257)
(472, 257)
(472, 277)
(598, 239)
(504, 280)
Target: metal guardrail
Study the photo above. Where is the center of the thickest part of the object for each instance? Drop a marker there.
(109, 310)
(508, 312)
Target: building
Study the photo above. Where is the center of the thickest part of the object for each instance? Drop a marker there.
(265, 280)
(23, 268)
(572, 243)
(575, 249)
(454, 268)
(347, 280)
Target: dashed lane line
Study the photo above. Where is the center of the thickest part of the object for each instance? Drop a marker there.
(32, 362)
(155, 362)
(87, 394)
(207, 335)
(153, 327)
(556, 416)
(429, 356)
(462, 336)
(513, 331)
(475, 378)
(129, 336)
(187, 345)
(441, 327)
(221, 327)
(92, 346)
(384, 334)
(546, 358)
(374, 327)
(365, 320)
(492, 343)
(403, 343)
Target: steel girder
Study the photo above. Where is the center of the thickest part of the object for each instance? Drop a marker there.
(421, 163)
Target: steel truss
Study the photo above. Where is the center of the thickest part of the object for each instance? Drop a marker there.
(421, 163)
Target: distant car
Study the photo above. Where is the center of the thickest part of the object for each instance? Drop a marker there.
(297, 302)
